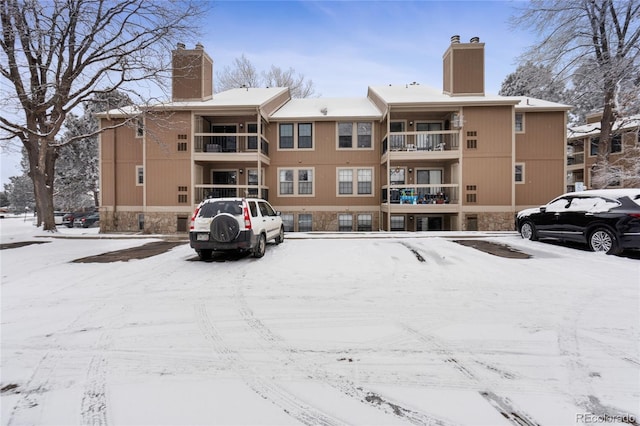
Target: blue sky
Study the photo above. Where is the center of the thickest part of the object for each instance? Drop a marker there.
(346, 46)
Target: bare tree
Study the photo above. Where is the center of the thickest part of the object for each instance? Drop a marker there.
(57, 54)
(600, 38)
(243, 74)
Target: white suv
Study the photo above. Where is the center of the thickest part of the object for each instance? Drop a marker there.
(244, 224)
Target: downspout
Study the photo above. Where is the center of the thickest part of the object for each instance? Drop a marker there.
(115, 178)
(388, 168)
(259, 151)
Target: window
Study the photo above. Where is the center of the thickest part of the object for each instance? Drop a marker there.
(296, 181)
(182, 189)
(616, 144)
(396, 141)
(182, 198)
(594, 146)
(345, 135)
(519, 122)
(397, 223)
(519, 173)
(472, 198)
(305, 222)
(305, 136)
(472, 144)
(362, 136)
(365, 181)
(182, 146)
(286, 136)
(139, 175)
(286, 182)
(305, 181)
(365, 222)
(355, 181)
(345, 222)
(139, 127)
(252, 141)
(289, 134)
(345, 181)
(287, 222)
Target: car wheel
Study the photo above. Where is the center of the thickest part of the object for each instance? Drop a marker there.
(280, 237)
(528, 231)
(603, 240)
(204, 254)
(258, 251)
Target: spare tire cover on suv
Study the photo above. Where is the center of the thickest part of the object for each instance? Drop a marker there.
(224, 228)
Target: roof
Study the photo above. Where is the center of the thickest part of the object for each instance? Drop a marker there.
(527, 103)
(248, 97)
(327, 109)
(593, 129)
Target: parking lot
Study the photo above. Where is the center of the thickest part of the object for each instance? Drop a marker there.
(325, 329)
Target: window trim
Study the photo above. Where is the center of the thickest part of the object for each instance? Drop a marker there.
(355, 181)
(139, 174)
(140, 127)
(354, 136)
(296, 142)
(296, 181)
(522, 174)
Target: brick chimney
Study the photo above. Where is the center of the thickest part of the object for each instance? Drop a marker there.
(192, 74)
(463, 68)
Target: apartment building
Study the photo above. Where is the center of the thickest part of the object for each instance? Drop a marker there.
(624, 152)
(404, 157)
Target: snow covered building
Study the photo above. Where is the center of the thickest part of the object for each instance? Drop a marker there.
(624, 153)
(404, 157)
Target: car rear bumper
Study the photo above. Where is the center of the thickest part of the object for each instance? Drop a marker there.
(245, 241)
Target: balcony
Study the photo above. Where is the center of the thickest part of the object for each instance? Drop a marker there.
(229, 146)
(421, 198)
(575, 160)
(204, 191)
(432, 144)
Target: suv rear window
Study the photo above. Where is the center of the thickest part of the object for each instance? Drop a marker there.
(216, 207)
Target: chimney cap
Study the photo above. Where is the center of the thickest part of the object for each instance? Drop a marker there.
(455, 39)
(475, 40)
(181, 46)
(199, 46)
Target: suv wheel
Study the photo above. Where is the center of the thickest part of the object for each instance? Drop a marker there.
(204, 254)
(259, 249)
(603, 240)
(280, 237)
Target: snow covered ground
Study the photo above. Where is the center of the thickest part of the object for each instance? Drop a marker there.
(321, 331)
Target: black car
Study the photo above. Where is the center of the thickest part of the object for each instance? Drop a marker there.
(608, 220)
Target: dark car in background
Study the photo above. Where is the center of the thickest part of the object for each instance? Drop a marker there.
(607, 220)
(90, 221)
(74, 219)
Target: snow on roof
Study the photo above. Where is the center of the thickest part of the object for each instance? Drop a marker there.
(418, 94)
(240, 98)
(327, 108)
(593, 129)
(529, 103)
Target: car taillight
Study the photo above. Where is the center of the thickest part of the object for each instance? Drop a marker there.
(636, 215)
(247, 219)
(193, 218)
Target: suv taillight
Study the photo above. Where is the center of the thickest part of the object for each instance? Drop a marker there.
(193, 218)
(636, 215)
(247, 219)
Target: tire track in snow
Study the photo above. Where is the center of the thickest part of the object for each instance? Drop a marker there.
(338, 382)
(502, 404)
(93, 407)
(268, 390)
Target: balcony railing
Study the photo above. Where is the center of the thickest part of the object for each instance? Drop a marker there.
(447, 140)
(421, 194)
(575, 159)
(204, 191)
(229, 142)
